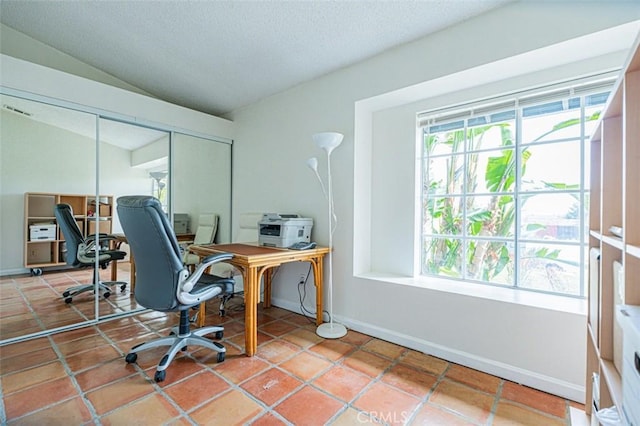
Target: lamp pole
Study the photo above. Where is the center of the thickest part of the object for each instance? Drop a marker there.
(329, 141)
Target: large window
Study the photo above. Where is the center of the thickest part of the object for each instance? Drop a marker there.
(505, 189)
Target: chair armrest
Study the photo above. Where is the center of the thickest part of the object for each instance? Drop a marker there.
(103, 237)
(202, 267)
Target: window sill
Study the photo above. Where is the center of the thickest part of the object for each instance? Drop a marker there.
(506, 295)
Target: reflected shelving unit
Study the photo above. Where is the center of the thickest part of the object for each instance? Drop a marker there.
(46, 249)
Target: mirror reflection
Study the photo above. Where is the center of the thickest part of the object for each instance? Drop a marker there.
(47, 156)
(202, 189)
(133, 160)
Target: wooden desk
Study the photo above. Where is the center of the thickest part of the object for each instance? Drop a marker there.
(256, 262)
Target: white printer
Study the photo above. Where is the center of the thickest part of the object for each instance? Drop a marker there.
(283, 230)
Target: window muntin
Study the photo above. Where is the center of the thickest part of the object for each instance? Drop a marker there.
(504, 194)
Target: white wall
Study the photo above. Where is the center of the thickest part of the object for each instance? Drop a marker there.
(374, 176)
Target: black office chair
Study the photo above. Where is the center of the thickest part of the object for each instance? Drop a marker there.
(81, 252)
(163, 282)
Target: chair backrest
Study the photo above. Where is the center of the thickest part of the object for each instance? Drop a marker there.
(155, 249)
(207, 227)
(72, 234)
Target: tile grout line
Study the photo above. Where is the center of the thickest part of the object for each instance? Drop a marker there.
(423, 400)
(3, 413)
(157, 389)
(70, 375)
(371, 381)
(496, 401)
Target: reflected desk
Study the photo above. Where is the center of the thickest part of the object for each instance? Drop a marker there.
(116, 243)
(256, 262)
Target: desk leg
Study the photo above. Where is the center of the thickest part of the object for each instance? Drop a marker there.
(114, 245)
(201, 314)
(267, 287)
(318, 281)
(114, 270)
(251, 291)
(132, 273)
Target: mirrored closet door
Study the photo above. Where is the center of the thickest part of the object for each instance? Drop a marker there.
(47, 157)
(202, 186)
(134, 160)
(53, 154)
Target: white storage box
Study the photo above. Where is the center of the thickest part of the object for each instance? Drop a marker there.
(42, 232)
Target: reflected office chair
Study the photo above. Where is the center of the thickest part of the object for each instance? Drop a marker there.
(81, 252)
(163, 282)
(205, 234)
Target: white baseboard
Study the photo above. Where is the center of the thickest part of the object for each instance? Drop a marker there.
(509, 372)
(17, 271)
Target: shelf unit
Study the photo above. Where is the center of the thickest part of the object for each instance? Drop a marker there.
(39, 207)
(615, 201)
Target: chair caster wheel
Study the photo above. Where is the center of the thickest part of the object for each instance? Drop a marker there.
(66, 294)
(131, 358)
(67, 300)
(122, 287)
(220, 356)
(106, 294)
(219, 334)
(159, 376)
(36, 272)
(184, 349)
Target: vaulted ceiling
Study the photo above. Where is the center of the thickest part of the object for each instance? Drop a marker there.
(218, 56)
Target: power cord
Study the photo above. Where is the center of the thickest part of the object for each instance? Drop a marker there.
(302, 294)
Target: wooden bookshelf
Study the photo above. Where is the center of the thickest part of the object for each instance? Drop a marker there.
(39, 207)
(615, 201)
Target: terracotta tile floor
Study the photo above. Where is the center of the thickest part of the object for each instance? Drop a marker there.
(25, 305)
(296, 378)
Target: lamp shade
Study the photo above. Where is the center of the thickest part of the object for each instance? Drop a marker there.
(158, 175)
(328, 140)
(313, 164)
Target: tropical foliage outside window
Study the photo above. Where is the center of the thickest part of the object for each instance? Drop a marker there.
(505, 195)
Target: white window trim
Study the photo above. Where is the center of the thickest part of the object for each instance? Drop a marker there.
(581, 87)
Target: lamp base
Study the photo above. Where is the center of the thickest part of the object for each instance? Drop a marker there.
(331, 330)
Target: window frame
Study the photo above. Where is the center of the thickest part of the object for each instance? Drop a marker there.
(446, 119)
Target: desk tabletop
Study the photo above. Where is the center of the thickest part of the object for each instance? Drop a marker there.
(253, 251)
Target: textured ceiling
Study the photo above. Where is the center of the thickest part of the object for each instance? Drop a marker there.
(217, 56)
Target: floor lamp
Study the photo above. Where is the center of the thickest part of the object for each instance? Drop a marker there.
(328, 141)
